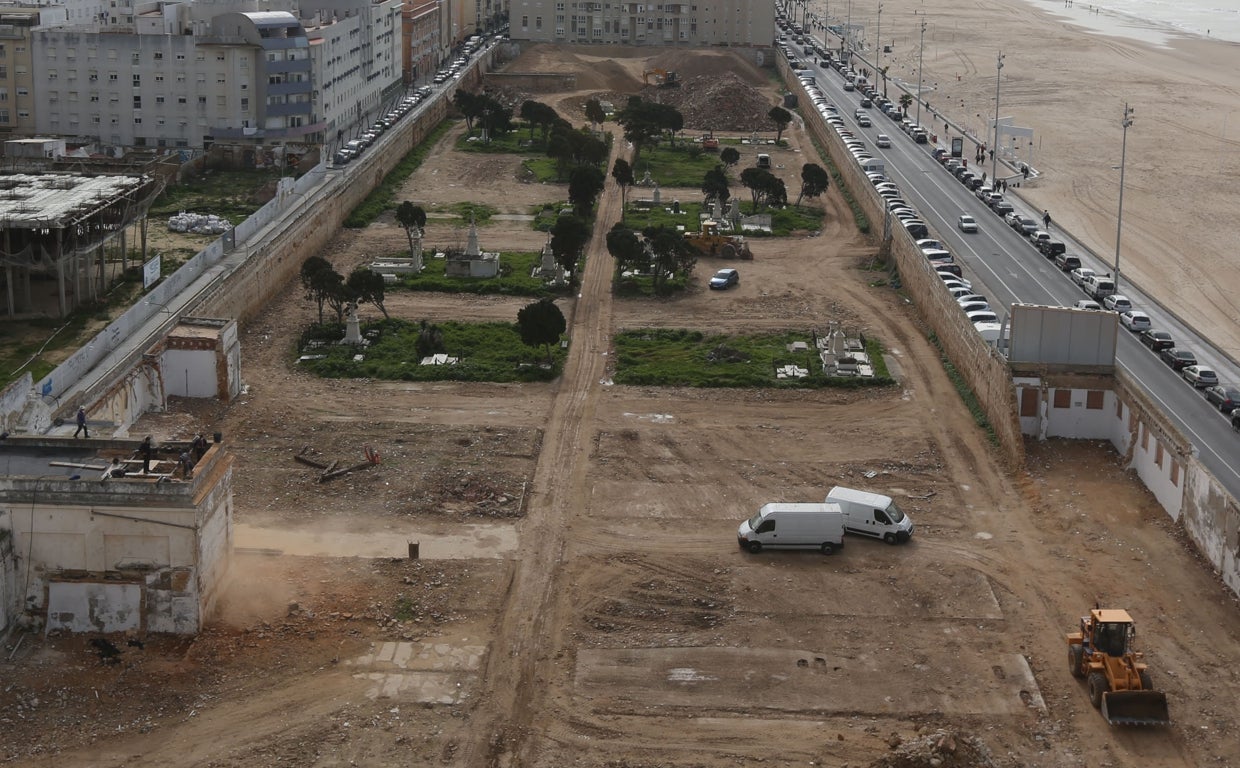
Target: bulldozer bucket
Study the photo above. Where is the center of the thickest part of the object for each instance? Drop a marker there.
(1136, 708)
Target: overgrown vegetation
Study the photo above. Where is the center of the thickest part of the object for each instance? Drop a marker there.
(383, 197)
(966, 393)
(784, 221)
(684, 358)
(683, 165)
(485, 352)
(234, 195)
(513, 280)
(480, 212)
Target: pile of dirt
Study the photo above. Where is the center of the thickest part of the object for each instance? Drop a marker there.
(711, 64)
(938, 749)
(717, 102)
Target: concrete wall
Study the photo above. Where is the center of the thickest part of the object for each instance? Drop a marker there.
(1067, 405)
(984, 370)
(1211, 516)
(12, 399)
(10, 589)
(190, 372)
(1152, 446)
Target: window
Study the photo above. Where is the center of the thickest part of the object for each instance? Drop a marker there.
(51, 74)
(137, 81)
(1028, 402)
(180, 99)
(94, 97)
(1063, 398)
(137, 102)
(1119, 408)
(525, 21)
(1145, 438)
(23, 91)
(1094, 399)
(1158, 454)
(135, 58)
(159, 78)
(137, 121)
(113, 77)
(1175, 473)
(159, 55)
(245, 105)
(538, 22)
(159, 99)
(4, 115)
(202, 101)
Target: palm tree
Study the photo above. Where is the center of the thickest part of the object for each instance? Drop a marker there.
(906, 101)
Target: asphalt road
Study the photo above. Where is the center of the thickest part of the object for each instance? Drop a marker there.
(1007, 268)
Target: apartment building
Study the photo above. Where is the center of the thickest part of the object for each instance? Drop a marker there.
(191, 74)
(695, 23)
(17, 89)
(423, 46)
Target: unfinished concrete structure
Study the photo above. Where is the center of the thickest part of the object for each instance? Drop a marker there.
(62, 227)
(91, 543)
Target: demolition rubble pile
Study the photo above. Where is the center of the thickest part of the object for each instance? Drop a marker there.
(717, 102)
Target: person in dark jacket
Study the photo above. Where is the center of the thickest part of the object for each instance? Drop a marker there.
(81, 422)
(145, 450)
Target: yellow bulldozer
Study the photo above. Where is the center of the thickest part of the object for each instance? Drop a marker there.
(711, 242)
(1117, 677)
(662, 78)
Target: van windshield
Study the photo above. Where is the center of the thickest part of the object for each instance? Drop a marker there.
(894, 513)
(755, 521)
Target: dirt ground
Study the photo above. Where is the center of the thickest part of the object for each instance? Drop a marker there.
(581, 599)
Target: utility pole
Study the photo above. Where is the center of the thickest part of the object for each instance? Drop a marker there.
(878, 53)
(920, 53)
(994, 148)
(848, 31)
(1123, 157)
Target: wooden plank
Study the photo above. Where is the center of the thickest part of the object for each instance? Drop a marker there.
(75, 465)
(309, 462)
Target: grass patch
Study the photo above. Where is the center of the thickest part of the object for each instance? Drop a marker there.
(480, 212)
(383, 197)
(784, 221)
(513, 280)
(637, 285)
(863, 221)
(230, 194)
(487, 352)
(966, 393)
(543, 170)
(683, 358)
(518, 142)
(681, 166)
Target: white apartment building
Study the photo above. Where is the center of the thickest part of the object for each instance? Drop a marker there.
(17, 89)
(694, 23)
(190, 74)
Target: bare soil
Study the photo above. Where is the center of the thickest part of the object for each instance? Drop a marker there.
(625, 628)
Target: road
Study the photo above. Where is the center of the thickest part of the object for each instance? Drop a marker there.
(1007, 268)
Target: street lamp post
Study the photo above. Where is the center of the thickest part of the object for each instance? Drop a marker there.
(920, 51)
(878, 52)
(1123, 157)
(994, 148)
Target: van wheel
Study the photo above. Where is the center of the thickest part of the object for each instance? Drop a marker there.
(890, 538)
(755, 547)
(828, 548)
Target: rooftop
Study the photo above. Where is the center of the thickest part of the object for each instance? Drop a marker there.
(36, 200)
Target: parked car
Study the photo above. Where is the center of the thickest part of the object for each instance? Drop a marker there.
(1199, 376)
(982, 316)
(947, 268)
(725, 278)
(1002, 208)
(1012, 219)
(1157, 340)
(1223, 397)
(971, 297)
(1235, 419)
(1178, 359)
(1081, 274)
(930, 244)
(1067, 262)
(1135, 320)
(1117, 302)
(1092, 306)
(954, 280)
(966, 223)
(1051, 248)
(1025, 225)
(975, 306)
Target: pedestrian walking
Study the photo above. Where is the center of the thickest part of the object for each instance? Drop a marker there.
(145, 450)
(187, 464)
(81, 422)
(1046, 220)
(199, 446)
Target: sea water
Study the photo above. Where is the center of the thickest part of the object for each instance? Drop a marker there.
(1156, 21)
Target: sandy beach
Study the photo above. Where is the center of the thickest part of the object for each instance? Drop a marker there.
(1066, 80)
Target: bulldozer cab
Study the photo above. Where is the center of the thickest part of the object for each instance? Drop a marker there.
(1112, 637)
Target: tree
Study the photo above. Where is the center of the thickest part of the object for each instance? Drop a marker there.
(413, 219)
(814, 181)
(669, 119)
(730, 156)
(764, 187)
(311, 268)
(627, 249)
(622, 172)
(329, 288)
(584, 184)
(367, 286)
(541, 323)
(883, 73)
(569, 236)
(544, 117)
(670, 253)
(781, 117)
(468, 105)
(715, 184)
(641, 125)
(906, 101)
(595, 113)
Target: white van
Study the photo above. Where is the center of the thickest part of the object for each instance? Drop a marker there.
(1099, 286)
(793, 526)
(871, 514)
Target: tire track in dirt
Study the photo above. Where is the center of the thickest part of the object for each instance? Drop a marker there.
(518, 657)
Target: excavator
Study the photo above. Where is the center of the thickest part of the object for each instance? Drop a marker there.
(1118, 678)
(662, 78)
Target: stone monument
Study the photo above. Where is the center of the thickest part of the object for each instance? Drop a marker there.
(353, 329)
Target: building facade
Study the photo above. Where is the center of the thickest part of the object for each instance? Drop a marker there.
(423, 48)
(261, 72)
(701, 22)
(18, 94)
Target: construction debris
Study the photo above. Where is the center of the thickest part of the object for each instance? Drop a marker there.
(334, 470)
(717, 102)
